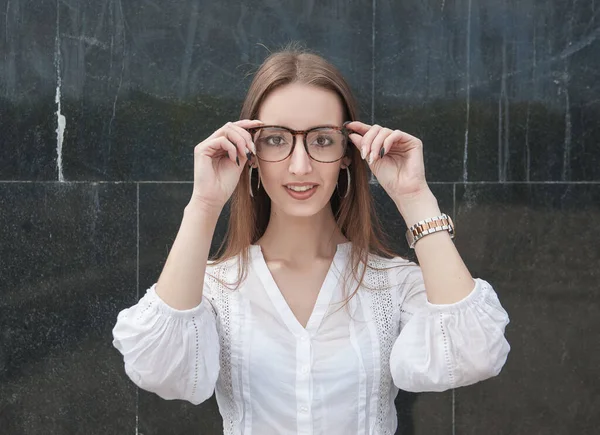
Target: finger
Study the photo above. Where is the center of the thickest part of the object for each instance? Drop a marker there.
(244, 123)
(221, 145)
(404, 137)
(247, 123)
(358, 127)
(230, 148)
(367, 140)
(377, 144)
(389, 141)
(247, 137)
(232, 133)
(356, 139)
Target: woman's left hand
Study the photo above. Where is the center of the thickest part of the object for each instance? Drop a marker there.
(401, 170)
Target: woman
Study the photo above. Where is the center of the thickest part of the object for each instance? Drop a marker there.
(306, 322)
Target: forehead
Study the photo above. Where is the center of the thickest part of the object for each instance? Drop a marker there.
(299, 106)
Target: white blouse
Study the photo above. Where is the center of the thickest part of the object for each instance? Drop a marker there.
(339, 375)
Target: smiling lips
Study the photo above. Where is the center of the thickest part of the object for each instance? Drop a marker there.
(300, 187)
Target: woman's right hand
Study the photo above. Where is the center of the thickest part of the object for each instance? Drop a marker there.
(216, 171)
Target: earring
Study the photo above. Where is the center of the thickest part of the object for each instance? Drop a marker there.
(250, 181)
(348, 186)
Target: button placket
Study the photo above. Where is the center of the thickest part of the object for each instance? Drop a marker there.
(303, 367)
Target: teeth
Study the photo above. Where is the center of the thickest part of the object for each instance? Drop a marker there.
(300, 188)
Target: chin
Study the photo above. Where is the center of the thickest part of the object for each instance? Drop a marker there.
(288, 206)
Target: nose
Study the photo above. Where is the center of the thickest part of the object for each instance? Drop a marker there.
(300, 161)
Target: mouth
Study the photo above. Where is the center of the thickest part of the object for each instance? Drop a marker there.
(300, 188)
(302, 191)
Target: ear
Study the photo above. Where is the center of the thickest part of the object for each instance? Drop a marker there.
(346, 162)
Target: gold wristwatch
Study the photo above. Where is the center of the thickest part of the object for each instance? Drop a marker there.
(429, 226)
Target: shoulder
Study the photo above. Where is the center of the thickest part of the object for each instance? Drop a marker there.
(221, 276)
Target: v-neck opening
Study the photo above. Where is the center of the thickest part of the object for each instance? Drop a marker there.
(281, 305)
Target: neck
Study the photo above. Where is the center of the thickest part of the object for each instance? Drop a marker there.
(300, 240)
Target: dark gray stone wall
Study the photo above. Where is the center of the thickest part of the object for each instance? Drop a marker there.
(101, 104)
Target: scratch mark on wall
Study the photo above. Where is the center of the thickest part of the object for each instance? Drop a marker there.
(10, 54)
(466, 145)
(533, 80)
(566, 169)
(503, 121)
(579, 45)
(60, 118)
(543, 63)
(114, 109)
(189, 49)
(90, 40)
(374, 10)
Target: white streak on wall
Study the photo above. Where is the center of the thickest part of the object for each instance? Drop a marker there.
(466, 147)
(60, 118)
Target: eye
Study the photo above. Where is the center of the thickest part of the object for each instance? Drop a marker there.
(275, 140)
(323, 141)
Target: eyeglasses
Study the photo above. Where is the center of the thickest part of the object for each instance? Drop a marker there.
(325, 144)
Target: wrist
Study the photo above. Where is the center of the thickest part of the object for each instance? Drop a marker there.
(417, 207)
(200, 208)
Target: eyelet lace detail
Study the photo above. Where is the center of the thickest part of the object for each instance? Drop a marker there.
(221, 298)
(197, 357)
(383, 315)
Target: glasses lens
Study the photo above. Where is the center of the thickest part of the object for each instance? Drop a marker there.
(326, 145)
(273, 144)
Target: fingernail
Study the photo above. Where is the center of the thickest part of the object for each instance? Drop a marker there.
(237, 160)
(248, 154)
(253, 148)
(381, 152)
(362, 153)
(370, 159)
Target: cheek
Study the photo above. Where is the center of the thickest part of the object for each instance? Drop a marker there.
(269, 175)
(273, 175)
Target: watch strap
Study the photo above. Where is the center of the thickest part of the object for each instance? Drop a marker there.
(429, 226)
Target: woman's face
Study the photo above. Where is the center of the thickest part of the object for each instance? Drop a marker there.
(300, 107)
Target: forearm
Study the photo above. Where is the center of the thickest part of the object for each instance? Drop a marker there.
(447, 279)
(181, 281)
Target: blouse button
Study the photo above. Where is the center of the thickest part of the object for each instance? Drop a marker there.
(304, 408)
(305, 369)
(303, 338)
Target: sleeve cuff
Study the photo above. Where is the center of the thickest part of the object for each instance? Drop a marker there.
(165, 309)
(473, 298)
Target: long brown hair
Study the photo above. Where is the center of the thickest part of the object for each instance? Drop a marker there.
(355, 214)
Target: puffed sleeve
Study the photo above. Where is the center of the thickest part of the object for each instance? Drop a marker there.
(446, 346)
(173, 353)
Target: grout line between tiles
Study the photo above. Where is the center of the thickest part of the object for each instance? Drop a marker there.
(374, 181)
(453, 411)
(374, 9)
(137, 287)
(454, 202)
(454, 217)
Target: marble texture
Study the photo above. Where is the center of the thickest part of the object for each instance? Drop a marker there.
(538, 245)
(497, 90)
(67, 267)
(140, 84)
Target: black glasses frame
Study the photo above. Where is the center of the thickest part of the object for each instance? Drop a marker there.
(345, 131)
